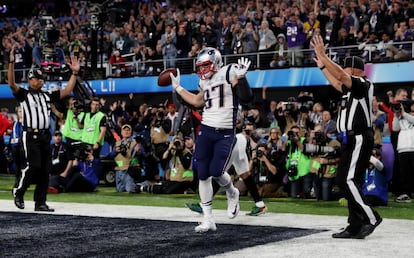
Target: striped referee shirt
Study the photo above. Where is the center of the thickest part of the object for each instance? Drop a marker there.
(356, 106)
(36, 107)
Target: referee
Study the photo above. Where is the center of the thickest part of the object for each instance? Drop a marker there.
(355, 127)
(36, 137)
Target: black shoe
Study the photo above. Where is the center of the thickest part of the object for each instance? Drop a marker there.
(44, 207)
(343, 234)
(367, 229)
(19, 202)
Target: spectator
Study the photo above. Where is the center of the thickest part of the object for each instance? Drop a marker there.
(329, 125)
(330, 23)
(250, 41)
(310, 26)
(375, 186)
(267, 40)
(316, 113)
(205, 36)
(280, 58)
(383, 54)
(398, 51)
(345, 40)
(169, 46)
(237, 34)
(123, 42)
(369, 46)
(224, 37)
(118, 63)
(348, 22)
(296, 39)
(377, 17)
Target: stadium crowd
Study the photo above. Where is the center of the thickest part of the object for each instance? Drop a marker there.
(280, 31)
(153, 142)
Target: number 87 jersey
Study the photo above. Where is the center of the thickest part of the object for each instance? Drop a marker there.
(220, 109)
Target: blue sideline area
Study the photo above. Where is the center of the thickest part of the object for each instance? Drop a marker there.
(395, 72)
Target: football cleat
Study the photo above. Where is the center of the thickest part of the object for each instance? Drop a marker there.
(207, 224)
(196, 207)
(233, 206)
(256, 211)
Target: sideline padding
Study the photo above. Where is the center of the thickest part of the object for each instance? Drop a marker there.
(41, 235)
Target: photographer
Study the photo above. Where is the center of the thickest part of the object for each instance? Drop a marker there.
(263, 168)
(297, 165)
(129, 156)
(83, 177)
(404, 122)
(286, 114)
(324, 161)
(181, 175)
(400, 94)
(160, 129)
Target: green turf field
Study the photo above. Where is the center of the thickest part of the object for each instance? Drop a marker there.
(108, 195)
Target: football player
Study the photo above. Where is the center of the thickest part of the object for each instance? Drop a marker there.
(221, 89)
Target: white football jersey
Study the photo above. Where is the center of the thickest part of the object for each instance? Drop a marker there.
(220, 107)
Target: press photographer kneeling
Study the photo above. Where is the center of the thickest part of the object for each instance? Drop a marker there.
(263, 168)
(128, 155)
(82, 177)
(325, 156)
(181, 175)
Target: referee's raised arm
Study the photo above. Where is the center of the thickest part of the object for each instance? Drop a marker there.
(74, 66)
(10, 72)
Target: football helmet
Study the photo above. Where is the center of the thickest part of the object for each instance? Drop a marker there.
(208, 62)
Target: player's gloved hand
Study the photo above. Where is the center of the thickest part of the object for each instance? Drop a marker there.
(243, 65)
(175, 80)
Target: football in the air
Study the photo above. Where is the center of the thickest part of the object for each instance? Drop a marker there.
(164, 78)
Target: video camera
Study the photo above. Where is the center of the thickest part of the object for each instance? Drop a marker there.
(405, 103)
(81, 150)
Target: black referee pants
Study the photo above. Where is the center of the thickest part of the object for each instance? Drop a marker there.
(38, 156)
(354, 162)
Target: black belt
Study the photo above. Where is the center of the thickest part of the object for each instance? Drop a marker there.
(38, 131)
(352, 132)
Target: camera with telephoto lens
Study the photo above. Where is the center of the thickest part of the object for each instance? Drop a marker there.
(293, 168)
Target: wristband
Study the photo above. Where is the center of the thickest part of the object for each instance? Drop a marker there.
(76, 74)
(98, 143)
(323, 67)
(11, 62)
(179, 89)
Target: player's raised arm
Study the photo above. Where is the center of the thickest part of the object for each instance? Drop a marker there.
(240, 83)
(195, 100)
